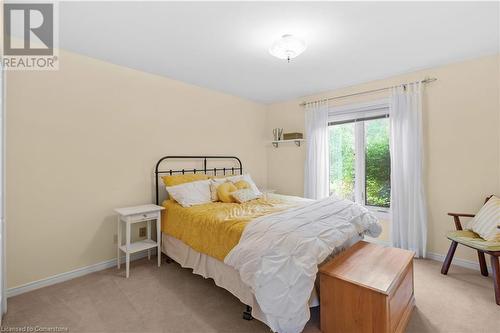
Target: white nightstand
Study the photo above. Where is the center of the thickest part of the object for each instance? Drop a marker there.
(131, 215)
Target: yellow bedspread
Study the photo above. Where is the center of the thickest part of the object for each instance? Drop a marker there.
(215, 228)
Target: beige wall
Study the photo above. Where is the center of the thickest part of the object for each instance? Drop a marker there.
(462, 141)
(83, 140)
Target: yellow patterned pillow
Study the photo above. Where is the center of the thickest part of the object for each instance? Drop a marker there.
(214, 184)
(224, 192)
(235, 178)
(181, 179)
(487, 219)
(240, 185)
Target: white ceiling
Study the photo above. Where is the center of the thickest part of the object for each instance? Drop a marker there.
(224, 45)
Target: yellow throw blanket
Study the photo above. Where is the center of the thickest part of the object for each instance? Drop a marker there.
(215, 228)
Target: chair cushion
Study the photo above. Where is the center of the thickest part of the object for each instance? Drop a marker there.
(486, 220)
(470, 238)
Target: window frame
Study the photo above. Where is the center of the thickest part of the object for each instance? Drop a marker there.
(359, 113)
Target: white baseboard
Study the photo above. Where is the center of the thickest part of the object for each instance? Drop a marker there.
(112, 262)
(474, 265)
(459, 262)
(72, 274)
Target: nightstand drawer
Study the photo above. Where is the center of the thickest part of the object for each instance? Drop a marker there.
(144, 216)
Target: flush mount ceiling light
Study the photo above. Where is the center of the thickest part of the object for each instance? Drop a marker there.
(287, 47)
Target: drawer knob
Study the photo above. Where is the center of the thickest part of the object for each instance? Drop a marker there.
(144, 215)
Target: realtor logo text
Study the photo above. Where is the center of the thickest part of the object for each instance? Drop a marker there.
(29, 36)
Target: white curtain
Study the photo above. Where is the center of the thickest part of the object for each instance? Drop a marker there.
(409, 213)
(316, 175)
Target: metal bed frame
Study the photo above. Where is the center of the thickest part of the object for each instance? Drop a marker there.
(204, 169)
(247, 314)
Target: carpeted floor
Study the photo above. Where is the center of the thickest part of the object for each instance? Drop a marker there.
(171, 299)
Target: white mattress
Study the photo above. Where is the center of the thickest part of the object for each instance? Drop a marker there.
(224, 275)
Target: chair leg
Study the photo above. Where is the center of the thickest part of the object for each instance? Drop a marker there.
(449, 258)
(482, 263)
(495, 267)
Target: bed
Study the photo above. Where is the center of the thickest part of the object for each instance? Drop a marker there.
(210, 239)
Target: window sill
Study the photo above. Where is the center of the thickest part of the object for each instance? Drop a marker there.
(380, 211)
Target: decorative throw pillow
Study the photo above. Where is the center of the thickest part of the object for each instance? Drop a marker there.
(241, 184)
(190, 194)
(214, 185)
(487, 219)
(224, 192)
(182, 179)
(244, 195)
(246, 177)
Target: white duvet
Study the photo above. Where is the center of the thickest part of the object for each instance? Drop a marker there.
(278, 255)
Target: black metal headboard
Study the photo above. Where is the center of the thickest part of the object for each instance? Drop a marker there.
(204, 169)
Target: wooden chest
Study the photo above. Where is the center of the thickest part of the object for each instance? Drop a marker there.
(367, 288)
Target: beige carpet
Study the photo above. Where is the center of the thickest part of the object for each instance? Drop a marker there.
(171, 299)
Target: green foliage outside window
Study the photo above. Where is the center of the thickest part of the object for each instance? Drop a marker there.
(377, 161)
(342, 160)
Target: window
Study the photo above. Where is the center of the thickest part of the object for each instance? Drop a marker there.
(360, 163)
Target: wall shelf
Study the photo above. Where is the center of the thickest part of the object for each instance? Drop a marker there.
(296, 141)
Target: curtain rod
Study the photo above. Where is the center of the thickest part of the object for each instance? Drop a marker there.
(426, 80)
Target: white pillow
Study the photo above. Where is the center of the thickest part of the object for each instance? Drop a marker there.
(487, 219)
(214, 184)
(246, 177)
(244, 195)
(190, 194)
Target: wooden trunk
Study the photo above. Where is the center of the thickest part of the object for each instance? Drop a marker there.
(368, 288)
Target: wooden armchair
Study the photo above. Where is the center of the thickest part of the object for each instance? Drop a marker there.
(474, 241)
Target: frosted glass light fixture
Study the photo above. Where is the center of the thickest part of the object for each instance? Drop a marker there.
(287, 47)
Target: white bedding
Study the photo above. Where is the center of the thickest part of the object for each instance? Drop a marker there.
(278, 255)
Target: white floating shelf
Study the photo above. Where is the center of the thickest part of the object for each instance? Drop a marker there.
(296, 141)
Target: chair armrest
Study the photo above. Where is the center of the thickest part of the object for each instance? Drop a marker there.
(461, 214)
(456, 219)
